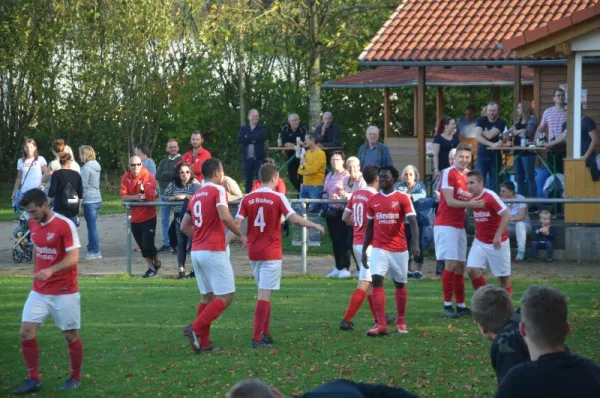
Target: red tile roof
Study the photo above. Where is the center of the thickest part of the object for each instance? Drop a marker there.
(462, 30)
(397, 76)
(552, 27)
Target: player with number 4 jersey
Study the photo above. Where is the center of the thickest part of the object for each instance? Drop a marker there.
(356, 214)
(205, 221)
(263, 209)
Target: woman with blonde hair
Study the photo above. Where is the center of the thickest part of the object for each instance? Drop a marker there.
(523, 130)
(92, 199)
(31, 168)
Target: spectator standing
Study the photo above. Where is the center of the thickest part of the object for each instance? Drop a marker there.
(374, 152)
(465, 127)
(66, 188)
(30, 170)
(92, 199)
(412, 186)
(488, 131)
(164, 176)
(328, 133)
(58, 147)
(352, 183)
(543, 236)
(290, 133)
(252, 136)
(523, 130)
(552, 125)
(138, 185)
(197, 155)
(143, 152)
(444, 141)
(334, 189)
(181, 188)
(553, 371)
(589, 136)
(520, 223)
(312, 168)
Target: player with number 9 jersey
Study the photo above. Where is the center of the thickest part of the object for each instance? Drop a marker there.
(209, 231)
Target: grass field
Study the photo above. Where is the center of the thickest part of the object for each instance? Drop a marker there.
(134, 346)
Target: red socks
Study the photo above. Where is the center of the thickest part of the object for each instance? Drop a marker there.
(201, 308)
(267, 324)
(477, 283)
(260, 317)
(372, 306)
(76, 358)
(401, 300)
(447, 285)
(31, 353)
(379, 304)
(459, 288)
(354, 305)
(202, 324)
(510, 291)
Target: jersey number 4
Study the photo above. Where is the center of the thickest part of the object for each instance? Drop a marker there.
(358, 210)
(259, 221)
(197, 214)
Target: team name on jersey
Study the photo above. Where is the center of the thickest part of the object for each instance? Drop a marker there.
(260, 200)
(46, 253)
(361, 197)
(481, 216)
(202, 193)
(387, 218)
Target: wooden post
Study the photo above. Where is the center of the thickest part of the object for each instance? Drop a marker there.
(536, 92)
(570, 108)
(496, 95)
(387, 113)
(420, 117)
(415, 121)
(517, 94)
(439, 105)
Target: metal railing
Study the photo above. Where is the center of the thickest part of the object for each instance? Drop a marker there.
(304, 202)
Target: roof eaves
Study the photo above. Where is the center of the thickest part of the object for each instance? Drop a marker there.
(377, 36)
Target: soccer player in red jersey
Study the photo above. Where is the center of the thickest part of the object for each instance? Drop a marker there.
(263, 209)
(55, 292)
(205, 220)
(449, 230)
(491, 245)
(356, 215)
(386, 212)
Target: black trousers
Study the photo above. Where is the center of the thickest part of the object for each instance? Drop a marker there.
(350, 240)
(144, 233)
(251, 167)
(293, 166)
(408, 234)
(339, 239)
(182, 242)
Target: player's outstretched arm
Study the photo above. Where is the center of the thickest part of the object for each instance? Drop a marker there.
(414, 230)
(301, 222)
(231, 235)
(449, 196)
(367, 242)
(69, 261)
(229, 222)
(186, 226)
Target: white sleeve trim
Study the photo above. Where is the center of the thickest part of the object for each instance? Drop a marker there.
(444, 184)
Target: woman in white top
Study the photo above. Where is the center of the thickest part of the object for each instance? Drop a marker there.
(30, 170)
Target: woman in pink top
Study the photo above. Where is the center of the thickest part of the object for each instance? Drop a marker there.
(334, 189)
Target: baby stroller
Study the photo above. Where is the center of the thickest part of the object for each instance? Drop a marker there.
(23, 248)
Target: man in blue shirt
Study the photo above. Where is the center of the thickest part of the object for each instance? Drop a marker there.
(374, 152)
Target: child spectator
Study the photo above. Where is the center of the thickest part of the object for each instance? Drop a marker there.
(543, 236)
(494, 314)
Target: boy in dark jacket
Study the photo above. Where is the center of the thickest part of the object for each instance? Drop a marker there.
(543, 236)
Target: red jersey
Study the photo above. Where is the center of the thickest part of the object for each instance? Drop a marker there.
(52, 240)
(457, 182)
(131, 185)
(209, 230)
(357, 205)
(196, 161)
(388, 213)
(488, 218)
(279, 188)
(263, 208)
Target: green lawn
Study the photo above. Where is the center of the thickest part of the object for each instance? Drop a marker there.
(134, 346)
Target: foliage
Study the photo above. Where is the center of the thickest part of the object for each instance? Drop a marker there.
(134, 345)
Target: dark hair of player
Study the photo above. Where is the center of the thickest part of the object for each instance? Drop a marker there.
(210, 168)
(394, 171)
(544, 313)
(491, 307)
(35, 196)
(370, 173)
(266, 172)
(476, 174)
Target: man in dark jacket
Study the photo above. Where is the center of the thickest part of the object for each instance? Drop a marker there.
(328, 133)
(252, 137)
(164, 175)
(290, 133)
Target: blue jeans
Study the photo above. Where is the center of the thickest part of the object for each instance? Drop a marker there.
(541, 175)
(90, 213)
(525, 171)
(487, 167)
(312, 192)
(251, 167)
(165, 215)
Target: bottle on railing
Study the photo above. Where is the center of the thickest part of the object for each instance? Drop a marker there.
(505, 137)
(298, 147)
(510, 137)
(541, 140)
(279, 143)
(142, 190)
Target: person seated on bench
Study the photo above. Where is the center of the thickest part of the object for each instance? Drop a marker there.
(520, 223)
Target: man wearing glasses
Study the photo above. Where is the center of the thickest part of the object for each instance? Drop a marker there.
(138, 185)
(552, 122)
(164, 175)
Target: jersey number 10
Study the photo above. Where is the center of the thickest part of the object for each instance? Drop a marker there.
(358, 210)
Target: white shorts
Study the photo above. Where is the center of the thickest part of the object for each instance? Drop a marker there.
(482, 254)
(396, 263)
(364, 273)
(65, 309)
(450, 243)
(214, 273)
(267, 274)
